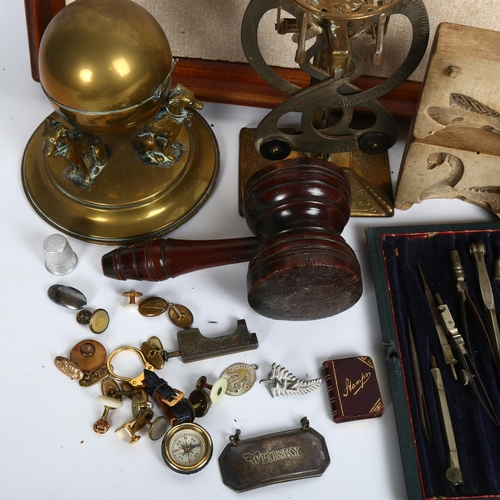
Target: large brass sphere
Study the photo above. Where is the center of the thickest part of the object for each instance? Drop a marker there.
(105, 65)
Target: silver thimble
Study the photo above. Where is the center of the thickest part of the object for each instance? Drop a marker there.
(59, 256)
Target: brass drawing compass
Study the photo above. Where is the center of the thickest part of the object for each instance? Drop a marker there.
(325, 32)
(125, 156)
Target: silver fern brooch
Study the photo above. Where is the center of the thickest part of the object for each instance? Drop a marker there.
(283, 383)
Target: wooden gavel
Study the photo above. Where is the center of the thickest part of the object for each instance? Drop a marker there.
(300, 267)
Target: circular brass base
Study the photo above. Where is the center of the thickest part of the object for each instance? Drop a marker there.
(129, 201)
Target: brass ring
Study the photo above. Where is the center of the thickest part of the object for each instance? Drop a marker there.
(133, 381)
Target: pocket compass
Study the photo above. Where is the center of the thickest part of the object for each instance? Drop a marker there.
(187, 448)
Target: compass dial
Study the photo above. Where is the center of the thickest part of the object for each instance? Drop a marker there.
(187, 448)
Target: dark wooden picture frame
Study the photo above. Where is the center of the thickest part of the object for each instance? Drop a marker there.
(225, 82)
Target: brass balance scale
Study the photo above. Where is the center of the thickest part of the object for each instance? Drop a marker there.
(325, 32)
(124, 157)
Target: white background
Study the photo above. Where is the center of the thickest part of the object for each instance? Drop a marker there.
(48, 447)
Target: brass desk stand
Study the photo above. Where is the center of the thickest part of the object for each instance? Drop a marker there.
(126, 157)
(130, 201)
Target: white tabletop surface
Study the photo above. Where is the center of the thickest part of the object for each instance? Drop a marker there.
(48, 447)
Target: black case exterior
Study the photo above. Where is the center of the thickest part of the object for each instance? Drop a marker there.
(400, 300)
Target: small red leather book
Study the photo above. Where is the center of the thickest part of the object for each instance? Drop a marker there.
(353, 389)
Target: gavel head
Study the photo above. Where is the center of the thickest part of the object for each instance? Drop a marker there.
(304, 269)
(297, 193)
(300, 267)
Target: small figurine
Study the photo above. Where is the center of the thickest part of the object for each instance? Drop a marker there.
(85, 153)
(156, 140)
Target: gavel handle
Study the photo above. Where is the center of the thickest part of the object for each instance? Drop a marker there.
(159, 259)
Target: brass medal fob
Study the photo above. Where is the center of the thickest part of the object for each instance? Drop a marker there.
(240, 378)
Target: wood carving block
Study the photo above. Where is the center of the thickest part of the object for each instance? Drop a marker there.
(453, 147)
